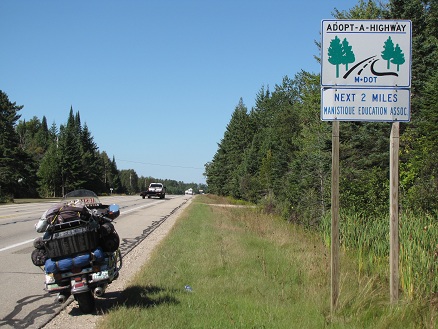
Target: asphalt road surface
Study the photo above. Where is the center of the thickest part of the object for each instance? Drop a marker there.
(23, 301)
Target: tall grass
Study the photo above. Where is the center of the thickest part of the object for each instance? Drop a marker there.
(250, 270)
(368, 238)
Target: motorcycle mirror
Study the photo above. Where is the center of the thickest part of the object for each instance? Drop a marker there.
(113, 211)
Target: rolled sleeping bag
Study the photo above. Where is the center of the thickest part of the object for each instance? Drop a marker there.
(65, 264)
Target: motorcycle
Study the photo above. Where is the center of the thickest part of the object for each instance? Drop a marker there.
(79, 249)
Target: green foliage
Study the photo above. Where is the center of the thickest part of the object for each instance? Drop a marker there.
(17, 170)
(49, 172)
(368, 237)
(34, 136)
(222, 171)
(419, 172)
(129, 180)
(70, 155)
(364, 10)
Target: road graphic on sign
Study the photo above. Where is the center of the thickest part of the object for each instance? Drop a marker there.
(341, 53)
(370, 61)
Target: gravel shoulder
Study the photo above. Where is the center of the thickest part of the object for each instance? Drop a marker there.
(71, 317)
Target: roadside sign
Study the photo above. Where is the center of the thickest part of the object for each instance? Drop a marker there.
(366, 53)
(386, 105)
(366, 76)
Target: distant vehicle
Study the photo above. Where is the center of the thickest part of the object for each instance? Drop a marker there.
(154, 189)
(190, 191)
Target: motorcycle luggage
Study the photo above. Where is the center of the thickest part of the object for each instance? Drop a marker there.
(38, 257)
(110, 242)
(79, 261)
(38, 243)
(98, 255)
(69, 242)
(61, 213)
(65, 264)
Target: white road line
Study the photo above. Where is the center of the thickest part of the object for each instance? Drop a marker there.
(16, 245)
(125, 212)
(145, 206)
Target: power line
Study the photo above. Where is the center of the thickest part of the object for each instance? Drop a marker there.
(161, 165)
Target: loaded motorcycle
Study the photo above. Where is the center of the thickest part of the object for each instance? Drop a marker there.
(79, 249)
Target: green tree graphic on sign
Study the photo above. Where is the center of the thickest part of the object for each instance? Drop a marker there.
(399, 57)
(340, 53)
(388, 52)
(348, 54)
(335, 54)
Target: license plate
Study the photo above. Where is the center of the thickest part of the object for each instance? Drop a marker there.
(100, 276)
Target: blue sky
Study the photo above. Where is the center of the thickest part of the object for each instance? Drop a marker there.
(156, 82)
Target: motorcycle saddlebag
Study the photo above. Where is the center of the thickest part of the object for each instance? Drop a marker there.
(38, 257)
(69, 242)
(110, 242)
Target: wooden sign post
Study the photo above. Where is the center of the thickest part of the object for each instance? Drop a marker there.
(393, 213)
(335, 217)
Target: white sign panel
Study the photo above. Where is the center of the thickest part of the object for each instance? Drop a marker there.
(366, 53)
(375, 104)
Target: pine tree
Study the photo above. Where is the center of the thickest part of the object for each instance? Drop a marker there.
(336, 54)
(223, 170)
(399, 57)
(388, 52)
(348, 54)
(49, 173)
(70, 155)
(91, 164)
(17, 168)
(116, 182)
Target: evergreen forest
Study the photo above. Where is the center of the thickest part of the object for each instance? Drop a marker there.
(42, 161)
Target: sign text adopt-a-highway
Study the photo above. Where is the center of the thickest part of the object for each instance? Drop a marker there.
(366, 53)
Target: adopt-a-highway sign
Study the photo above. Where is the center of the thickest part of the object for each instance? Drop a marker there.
(379, 105)
(366, 53)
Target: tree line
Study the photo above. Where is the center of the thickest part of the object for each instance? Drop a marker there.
(41, 161)
(278, 153)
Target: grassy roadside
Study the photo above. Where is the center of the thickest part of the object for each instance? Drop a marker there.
(249, 270)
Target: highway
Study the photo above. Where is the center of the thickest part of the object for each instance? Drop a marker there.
(24, 302)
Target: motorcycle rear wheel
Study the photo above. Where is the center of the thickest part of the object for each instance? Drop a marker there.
(86, 302)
